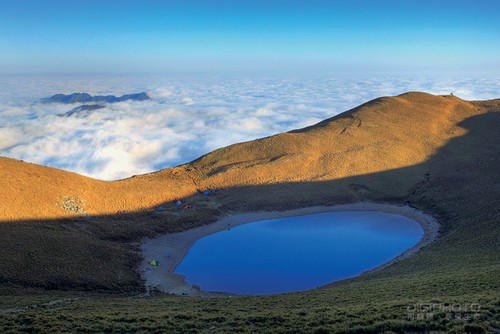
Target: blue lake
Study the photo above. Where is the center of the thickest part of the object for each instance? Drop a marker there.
(297, 253)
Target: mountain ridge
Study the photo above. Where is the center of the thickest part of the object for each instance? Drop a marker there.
(87, 98)
(382, 134)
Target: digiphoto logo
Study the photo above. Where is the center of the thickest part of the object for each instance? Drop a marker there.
(451, 311)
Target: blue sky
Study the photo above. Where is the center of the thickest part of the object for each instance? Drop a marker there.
(153, 36)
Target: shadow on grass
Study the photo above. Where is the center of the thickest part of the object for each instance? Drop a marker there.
(459, 185)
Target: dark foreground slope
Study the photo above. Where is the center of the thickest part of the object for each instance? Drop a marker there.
(61, 231)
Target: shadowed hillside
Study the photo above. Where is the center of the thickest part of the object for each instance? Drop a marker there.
(383, 134)
(439, 154)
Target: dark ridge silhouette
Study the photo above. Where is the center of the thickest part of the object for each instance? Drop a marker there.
(83, 108)
(87, 98)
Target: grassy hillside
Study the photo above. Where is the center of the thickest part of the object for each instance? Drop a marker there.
(73, 240)
(381, 135)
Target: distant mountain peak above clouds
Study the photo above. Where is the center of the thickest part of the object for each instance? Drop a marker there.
(87, 98)
(83, 108)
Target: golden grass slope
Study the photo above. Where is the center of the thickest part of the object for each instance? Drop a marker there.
(384, 134)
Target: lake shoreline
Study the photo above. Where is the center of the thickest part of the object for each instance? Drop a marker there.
(170, 249)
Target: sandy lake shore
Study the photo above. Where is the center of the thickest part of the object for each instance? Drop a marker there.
(170, 249)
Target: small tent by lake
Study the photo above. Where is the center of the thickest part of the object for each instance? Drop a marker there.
(154, 263)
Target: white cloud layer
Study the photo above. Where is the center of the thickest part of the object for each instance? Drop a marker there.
(186, 118)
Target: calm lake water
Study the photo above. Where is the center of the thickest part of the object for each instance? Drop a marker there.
(297, 253)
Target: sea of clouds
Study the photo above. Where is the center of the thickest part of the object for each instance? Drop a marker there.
(187, 117)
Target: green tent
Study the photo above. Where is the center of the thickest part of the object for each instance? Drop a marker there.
(154, 263)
